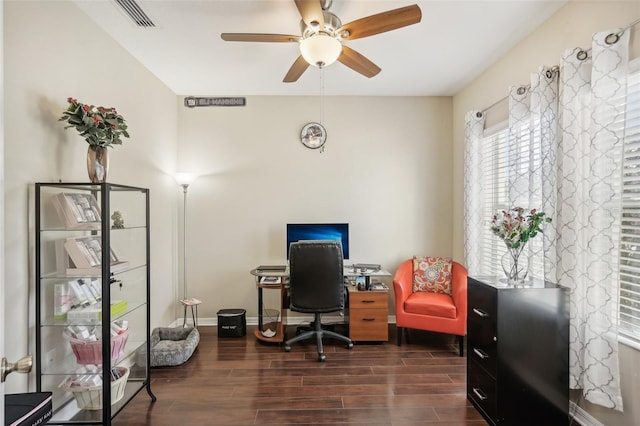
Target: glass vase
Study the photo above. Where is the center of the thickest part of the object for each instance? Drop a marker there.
(515, 266)
(97, 163)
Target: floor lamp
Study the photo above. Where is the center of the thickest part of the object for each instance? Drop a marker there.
(184, 180)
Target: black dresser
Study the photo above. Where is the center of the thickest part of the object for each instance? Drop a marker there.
(518, 352)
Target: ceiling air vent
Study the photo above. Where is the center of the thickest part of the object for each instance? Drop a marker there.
(136, 13)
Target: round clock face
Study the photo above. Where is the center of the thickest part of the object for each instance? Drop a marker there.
(313, 135)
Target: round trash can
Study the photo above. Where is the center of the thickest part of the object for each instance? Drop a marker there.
(269, 322)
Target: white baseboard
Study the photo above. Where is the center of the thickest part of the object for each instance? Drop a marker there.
(254, 320)
(581, 416)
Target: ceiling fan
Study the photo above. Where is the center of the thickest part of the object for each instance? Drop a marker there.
(322, 34)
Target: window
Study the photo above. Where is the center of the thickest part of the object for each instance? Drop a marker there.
(502, 157)
(494, 176)
(630, 239)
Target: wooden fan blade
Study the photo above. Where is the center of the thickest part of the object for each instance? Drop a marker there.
(296, 70)
(357, 62)
(381, 22)
(277, 38)
(311, 12)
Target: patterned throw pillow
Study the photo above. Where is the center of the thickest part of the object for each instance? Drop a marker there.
(432, 274)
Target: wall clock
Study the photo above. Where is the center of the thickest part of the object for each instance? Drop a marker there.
(313, 135)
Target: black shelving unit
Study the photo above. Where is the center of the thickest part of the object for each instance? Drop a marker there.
(73, 225)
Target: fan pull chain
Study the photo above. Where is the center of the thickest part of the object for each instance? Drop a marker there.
(322, 96)
(322, 102)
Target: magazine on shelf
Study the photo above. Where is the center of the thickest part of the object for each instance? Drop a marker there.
(78, 210)
(270, 280)
(379, 287)
(83, 256)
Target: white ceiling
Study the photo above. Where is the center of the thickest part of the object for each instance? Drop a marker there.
(454, 43)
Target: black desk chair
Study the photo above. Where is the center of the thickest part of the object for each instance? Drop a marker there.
(316, 285)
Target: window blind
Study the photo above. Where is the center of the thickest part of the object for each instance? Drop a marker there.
(502, 156)
(494, 175)
(629, 309)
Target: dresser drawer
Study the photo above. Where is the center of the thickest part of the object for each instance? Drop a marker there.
(485, 357)
(482, 300)
(368, 324)
(482, 331)
(368, 300)
(482, 389)
(482, 342)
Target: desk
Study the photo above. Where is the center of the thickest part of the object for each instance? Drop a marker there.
(371, 307)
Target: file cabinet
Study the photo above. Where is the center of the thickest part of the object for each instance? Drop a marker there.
(518, 352)
(368, 315)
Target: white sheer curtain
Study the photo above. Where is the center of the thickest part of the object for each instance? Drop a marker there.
(590, 206)
(473, 191)
(565, 157)
(533, 142)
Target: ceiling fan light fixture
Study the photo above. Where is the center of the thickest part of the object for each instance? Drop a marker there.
(320, 50)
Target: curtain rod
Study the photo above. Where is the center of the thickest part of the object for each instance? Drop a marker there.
(493, 105)
(582, 55)
(633, 24)
(610, 39)
(521, 90)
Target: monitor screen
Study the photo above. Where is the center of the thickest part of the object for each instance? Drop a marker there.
(319, 231)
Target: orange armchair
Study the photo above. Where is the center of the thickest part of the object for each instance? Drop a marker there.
(431, 311)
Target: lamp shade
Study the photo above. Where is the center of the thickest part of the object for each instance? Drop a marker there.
(184, 178)
(320, 50)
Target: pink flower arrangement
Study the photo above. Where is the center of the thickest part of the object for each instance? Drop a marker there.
(97, 125)
(515, 227)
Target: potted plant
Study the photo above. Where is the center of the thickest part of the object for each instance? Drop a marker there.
(101, 127)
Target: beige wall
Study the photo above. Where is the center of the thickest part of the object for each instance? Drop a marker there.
(385, 171)
(572, 26)
(387, 168)
(52, 51)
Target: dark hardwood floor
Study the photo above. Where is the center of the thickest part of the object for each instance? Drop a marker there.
(239, 381)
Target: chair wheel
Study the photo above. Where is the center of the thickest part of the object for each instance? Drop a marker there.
(322, 357)
(350, 345)
(287, 348)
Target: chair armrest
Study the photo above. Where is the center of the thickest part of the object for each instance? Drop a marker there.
(403, 284)
(459, 288)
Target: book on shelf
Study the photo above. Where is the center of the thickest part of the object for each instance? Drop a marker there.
(83, 256)
(94, 312)
(78, 210)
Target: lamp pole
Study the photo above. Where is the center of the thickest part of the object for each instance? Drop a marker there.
(184, 238)
(184, 180)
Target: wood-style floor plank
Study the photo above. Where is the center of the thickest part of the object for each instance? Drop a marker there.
(240, 381)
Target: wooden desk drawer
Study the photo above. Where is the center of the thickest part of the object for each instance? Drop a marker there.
(368, 324)
(368, 300)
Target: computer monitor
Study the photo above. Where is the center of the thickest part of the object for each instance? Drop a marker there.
(319, 231)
